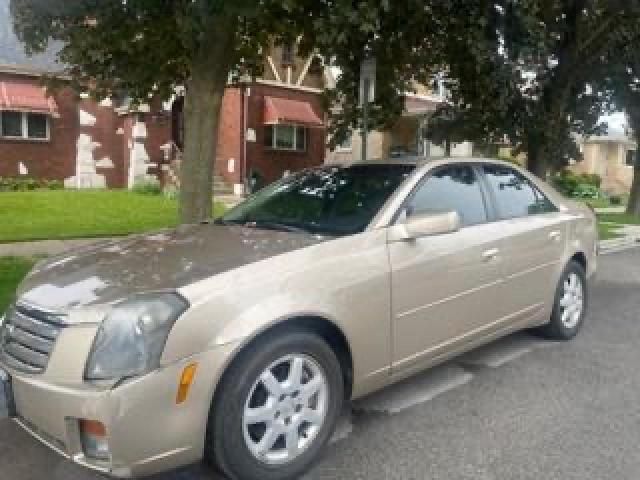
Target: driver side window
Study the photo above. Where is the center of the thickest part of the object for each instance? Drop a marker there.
(451, 188)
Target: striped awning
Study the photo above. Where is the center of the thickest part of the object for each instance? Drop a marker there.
(26, 97)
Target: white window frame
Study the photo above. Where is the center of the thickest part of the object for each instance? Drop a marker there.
(274, 146)
(25, 127)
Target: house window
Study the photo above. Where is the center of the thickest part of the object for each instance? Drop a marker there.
(287, 53)
(24, 125)
(631, 158)
(347, 144)
(286, 137)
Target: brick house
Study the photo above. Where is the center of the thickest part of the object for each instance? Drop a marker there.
(272, 125)
(269, 126)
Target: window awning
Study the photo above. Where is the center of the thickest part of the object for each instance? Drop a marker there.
(26, 97)
(285, 111)
(416, 106)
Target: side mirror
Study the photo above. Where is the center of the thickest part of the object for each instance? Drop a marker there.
(424, 225)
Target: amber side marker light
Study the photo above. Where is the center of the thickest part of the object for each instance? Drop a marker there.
(188, 374)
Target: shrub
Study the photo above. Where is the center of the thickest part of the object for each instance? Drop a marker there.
(585, 190)
(147, 187)
(615, 200)
(25, 184)
(584, 185)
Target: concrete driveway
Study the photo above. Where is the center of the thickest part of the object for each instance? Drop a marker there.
(520, 408)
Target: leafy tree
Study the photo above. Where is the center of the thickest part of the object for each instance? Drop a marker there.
(148, 47)
(623, 83)
(527, 70)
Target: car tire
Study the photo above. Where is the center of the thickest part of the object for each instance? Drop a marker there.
(236, 446)
(570, 304)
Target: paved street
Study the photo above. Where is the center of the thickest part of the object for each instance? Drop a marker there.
(521, 408)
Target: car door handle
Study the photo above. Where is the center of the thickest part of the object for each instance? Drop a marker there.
(490, 254)
(555, 235)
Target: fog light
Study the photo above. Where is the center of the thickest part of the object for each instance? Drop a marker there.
(94, 440)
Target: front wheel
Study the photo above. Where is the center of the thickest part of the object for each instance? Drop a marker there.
(277, 407)
(570, 304)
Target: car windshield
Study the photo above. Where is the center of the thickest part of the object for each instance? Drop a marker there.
(329, 200)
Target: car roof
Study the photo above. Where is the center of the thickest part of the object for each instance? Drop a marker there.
(419, 161)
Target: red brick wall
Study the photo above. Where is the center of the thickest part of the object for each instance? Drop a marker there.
(53, 159)
(56, 158)
(271, 164)
(158, 124)
(105, 132)
(230, 136)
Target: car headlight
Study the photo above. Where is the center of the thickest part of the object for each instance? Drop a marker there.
(132, 336)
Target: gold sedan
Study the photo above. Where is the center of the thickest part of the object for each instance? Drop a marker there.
(239, 340)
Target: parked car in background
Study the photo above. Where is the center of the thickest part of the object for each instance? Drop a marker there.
(239, 340)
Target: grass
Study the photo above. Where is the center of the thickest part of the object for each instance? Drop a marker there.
(601, 202)
(12, 271)
(609, 222)
(63, 214)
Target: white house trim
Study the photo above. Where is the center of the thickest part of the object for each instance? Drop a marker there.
(305, 69)
(273, 68)
(287, 85)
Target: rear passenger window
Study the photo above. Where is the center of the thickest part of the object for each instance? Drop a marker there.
(515, 195)
(452, 188)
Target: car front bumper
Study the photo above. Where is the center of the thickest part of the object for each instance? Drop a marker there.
(147, 431)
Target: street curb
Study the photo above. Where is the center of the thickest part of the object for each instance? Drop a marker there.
(616, 244)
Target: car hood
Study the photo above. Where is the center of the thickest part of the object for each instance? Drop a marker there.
(169, 259)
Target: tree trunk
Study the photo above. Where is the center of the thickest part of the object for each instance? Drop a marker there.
(203, 101)
(536, 160)
(634, 199)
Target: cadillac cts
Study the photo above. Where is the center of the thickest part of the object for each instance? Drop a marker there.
(238, 340)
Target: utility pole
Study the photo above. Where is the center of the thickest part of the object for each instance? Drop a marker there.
(367, 95)
(365, 120)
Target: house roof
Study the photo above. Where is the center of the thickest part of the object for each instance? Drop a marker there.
(12, 54)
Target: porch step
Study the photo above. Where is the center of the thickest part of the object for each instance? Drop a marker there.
(221, 187)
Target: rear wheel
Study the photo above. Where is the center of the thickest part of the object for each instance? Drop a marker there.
(570, 305)
(276, 408)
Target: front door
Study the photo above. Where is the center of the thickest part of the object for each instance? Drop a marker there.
(445, 288)
(534, 241)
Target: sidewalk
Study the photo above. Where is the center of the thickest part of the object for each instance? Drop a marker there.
(629, 236)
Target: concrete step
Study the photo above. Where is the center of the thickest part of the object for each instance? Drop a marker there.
(221, 187)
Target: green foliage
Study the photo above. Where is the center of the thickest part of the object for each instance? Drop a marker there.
(615, 200)
(584, 190)
(23, 184)
(530, 71)
(148, 187)
(579, 186)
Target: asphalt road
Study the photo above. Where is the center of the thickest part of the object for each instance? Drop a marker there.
(520, 408)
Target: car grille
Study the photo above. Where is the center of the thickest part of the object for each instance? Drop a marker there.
(27, 338)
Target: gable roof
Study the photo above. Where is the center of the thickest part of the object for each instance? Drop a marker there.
(12, 55)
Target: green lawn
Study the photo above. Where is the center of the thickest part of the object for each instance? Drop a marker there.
(12, 270)
(60, 214)
(609, 222)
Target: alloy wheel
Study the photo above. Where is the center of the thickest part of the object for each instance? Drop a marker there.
(286, 409)
(572, 301)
